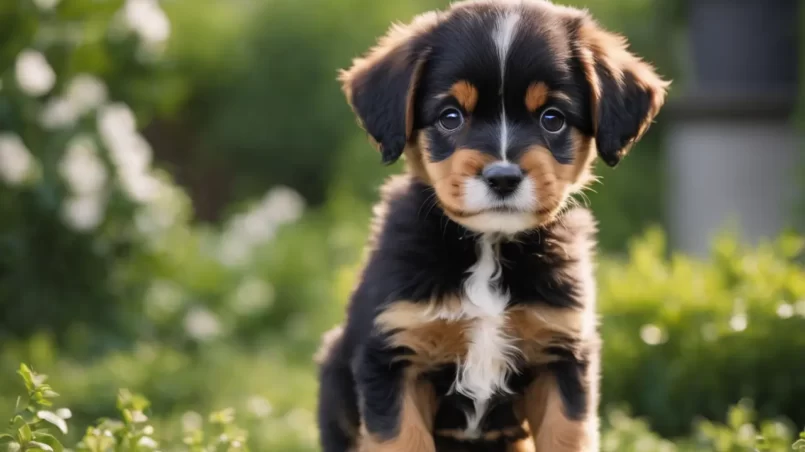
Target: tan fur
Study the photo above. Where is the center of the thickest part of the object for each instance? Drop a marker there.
(328, 341)
(510, 433)
(416, 421)
(555, 181)
(536, 96)
(524, 445)
(466, 94)
(536, 329)
(449, 176)
(433, 341)
(552, 430)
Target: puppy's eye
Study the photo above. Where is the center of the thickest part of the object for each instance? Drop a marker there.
(451, 119)
(552, 120)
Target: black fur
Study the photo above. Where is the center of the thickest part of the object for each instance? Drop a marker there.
(380, 98)
(420, 255)
(461, 51)
(622, 111)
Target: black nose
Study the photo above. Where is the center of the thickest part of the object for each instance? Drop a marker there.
(502, 178)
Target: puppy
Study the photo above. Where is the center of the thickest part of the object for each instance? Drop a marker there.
(473, 325)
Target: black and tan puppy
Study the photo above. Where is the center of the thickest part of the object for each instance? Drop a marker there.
(473, 326)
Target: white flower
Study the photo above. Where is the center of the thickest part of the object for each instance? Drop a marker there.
(259, 406)
(739, 322)
(81, 167)
(192, 421)
(282, 205)
(785, 311)
(58, 113)
(252, 295)
(46, 5)
(84, 213)
(34, 75)
(148, 20)
(233, 251)
(16, 161)
(201, 324)
(140, 186)
(652, 334)
(86, 93)
(161, 211)
(147, 442)
(258, 225)
(129, 151)
(116, 124)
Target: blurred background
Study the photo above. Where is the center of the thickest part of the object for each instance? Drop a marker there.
(184, 198)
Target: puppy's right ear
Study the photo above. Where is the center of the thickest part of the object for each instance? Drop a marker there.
(380, 86)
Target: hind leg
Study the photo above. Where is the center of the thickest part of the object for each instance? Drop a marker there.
(561, 408)
(412, 428)
(338, 419)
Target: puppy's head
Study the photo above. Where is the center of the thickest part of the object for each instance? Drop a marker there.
(503, 105)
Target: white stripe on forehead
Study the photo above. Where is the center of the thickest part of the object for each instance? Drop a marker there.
(504, 32)
(503, 35)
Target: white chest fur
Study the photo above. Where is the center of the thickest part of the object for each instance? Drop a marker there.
(490, 354)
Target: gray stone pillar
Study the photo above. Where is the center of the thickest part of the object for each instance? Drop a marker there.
(733, 153)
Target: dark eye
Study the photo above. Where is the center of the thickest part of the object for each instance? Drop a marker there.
(552, 120)
(451, 119)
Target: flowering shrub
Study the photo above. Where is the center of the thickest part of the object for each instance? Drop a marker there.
(85, 211)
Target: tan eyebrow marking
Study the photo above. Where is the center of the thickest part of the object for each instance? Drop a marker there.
(466, 94)
(536, 95)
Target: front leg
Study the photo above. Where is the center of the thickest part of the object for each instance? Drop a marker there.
(561, 407)
(397, 408)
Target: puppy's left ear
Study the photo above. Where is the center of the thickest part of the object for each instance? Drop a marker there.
(381, 86)
(626, 92)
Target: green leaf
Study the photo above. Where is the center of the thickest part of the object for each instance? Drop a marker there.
(6, 438)
(13, 446)
(49, 393)
(50, 440)
(27, 376)
(18, 421)
(36, 445)
(24, 434)
(799, 446)
(53, 418)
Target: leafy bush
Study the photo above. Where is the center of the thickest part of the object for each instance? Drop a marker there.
(685, 338)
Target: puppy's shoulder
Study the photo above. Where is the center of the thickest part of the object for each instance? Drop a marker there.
(577, 227)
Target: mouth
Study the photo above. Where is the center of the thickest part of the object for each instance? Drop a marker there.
(480, 198)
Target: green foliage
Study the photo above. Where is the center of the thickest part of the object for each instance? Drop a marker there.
(697, 335)
(30, 428)
(133, 431)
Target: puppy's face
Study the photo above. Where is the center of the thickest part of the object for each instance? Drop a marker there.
(503, 105)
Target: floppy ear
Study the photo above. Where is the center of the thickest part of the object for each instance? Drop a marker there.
(626, 92)
(380, 86)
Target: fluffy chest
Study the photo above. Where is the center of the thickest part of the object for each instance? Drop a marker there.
(481, 332)
(491, 353)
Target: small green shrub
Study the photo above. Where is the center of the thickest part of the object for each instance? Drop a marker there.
(686, 338)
